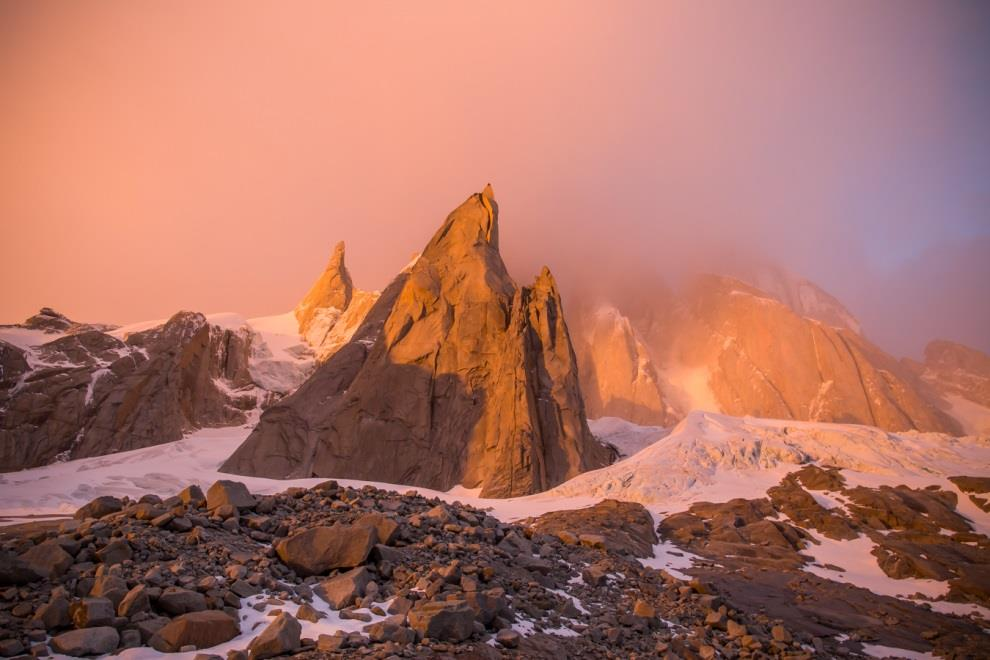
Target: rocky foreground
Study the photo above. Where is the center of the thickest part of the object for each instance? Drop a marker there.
(334, 572)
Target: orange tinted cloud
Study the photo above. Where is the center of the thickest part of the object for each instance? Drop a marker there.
(182, 155)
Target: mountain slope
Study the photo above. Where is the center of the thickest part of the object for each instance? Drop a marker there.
(75, 390)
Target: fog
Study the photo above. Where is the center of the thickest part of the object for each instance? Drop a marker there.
(165, 156)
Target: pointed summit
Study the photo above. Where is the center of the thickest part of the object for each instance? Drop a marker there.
(457, 376)
(470, 228)
(333, 290)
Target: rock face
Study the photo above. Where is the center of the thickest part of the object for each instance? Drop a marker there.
(456, 376)
(764, 360)
(618, 377)
(728, 347)
(89, 392)
(333, 309)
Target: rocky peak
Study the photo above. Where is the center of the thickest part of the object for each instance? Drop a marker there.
(49, 320)
(470, 228)
(333, 290)
(457, 376)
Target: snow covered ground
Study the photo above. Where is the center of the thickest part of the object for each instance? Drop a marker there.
(707, 457)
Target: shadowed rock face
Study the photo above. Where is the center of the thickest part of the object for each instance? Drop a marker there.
(456, 376)
(88, 393)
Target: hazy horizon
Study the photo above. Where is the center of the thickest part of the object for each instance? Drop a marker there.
(208, 157)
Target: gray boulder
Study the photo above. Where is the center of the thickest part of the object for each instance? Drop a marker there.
(87, 641)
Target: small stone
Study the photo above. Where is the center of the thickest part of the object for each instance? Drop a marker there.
(306, 612)
(644, 609)
(734, 629)
(508, 638)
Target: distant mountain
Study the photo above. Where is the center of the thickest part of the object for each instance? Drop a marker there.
(726, 346)
(959, 377)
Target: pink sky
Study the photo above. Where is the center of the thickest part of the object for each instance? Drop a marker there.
(183, 155)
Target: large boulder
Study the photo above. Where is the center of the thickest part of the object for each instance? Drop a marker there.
(281, 637)
(47, 559)
(99, 507)
(447, 621)
(321, 549)
(200, 629)
(87, 641)
(456, 376)
(233, 493)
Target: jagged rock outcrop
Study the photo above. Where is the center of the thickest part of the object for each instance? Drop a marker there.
(618, 377)
(87, 392)
(725, 346)
(456, 376)
(333, 309)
